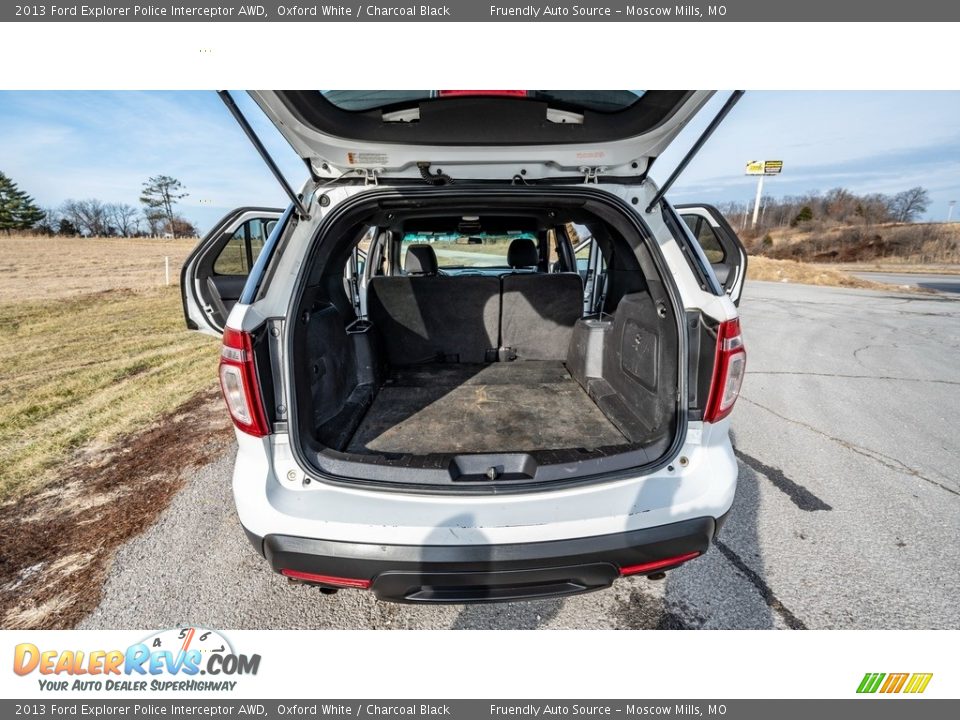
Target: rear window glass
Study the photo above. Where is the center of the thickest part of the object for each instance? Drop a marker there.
(601, 101)
(462, 251)
(243, 248)
(706, 236)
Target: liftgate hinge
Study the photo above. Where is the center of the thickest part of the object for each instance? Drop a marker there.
(592, 174)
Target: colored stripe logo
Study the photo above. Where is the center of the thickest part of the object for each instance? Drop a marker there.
(912, 683)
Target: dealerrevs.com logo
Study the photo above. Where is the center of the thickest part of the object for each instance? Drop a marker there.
(169, 660)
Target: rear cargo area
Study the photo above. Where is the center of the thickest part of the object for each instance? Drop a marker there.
(500, 407)
(460, 376)
(559, 393)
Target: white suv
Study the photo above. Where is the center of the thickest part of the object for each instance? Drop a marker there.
(479, 357)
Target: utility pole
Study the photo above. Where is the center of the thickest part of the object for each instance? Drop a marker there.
(950, 207)
(756, 202)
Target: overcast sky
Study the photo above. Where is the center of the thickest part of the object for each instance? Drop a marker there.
(60, 145)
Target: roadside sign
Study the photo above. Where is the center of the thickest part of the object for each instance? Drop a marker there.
(764, 167)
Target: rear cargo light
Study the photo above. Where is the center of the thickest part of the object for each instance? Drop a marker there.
(657, 564)
(360, 583)
(728, 369)
(238, 380)
(481, 93)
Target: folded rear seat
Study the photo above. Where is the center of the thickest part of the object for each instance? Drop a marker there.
(423, 317)
(538, 310)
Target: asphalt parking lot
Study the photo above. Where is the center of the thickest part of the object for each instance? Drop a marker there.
(847, 512)
(926, 281)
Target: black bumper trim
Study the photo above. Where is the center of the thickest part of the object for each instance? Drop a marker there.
(487, 573)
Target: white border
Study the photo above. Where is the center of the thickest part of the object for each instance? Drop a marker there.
(732, 664)
(781, 56)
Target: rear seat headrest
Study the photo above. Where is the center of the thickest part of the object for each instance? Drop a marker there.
(420, 260)
(522, 253)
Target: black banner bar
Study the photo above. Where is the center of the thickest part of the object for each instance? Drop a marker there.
(486, 11)
(874, 708)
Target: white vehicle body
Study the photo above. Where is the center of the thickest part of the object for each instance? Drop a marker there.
(279, 495)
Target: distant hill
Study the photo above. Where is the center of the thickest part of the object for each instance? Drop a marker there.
(920, 243)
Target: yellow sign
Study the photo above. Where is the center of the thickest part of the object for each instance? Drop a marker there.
(764, 167)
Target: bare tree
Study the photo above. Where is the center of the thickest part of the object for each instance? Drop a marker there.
(50, 225)
(181, 227)
(96, 217)
(156, 222)
(70, 213)
(841, 204)
(837, 206)
(87, 216)
(910, 204)
(124, 218)
(874, 208)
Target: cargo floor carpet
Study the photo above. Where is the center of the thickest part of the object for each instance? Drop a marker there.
(501, 407)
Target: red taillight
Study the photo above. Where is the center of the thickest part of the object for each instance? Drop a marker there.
(481, 93)
(729, 366)
(657, 564)
(238, 380)
(360, 583)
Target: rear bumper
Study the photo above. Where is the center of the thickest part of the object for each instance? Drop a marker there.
(489, 573)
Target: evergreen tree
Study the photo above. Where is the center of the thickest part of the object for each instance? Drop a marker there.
(18, 211)
(805, 215)
(67, 228)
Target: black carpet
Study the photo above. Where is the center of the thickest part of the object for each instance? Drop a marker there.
(501, 407)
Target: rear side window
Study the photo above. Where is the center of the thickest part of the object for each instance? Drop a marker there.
(583, 245)
(580, 237)
(707, 237)
(695, 256)
(553, 251)
(244, 247)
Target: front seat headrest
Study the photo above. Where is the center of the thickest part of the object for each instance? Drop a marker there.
(522, 253)
(420, 260)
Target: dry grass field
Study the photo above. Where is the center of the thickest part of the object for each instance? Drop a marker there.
(92, 346)
(108, 402)
(39, 267)
(763, 268)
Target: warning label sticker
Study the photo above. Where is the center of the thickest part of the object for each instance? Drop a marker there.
(366, 158)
